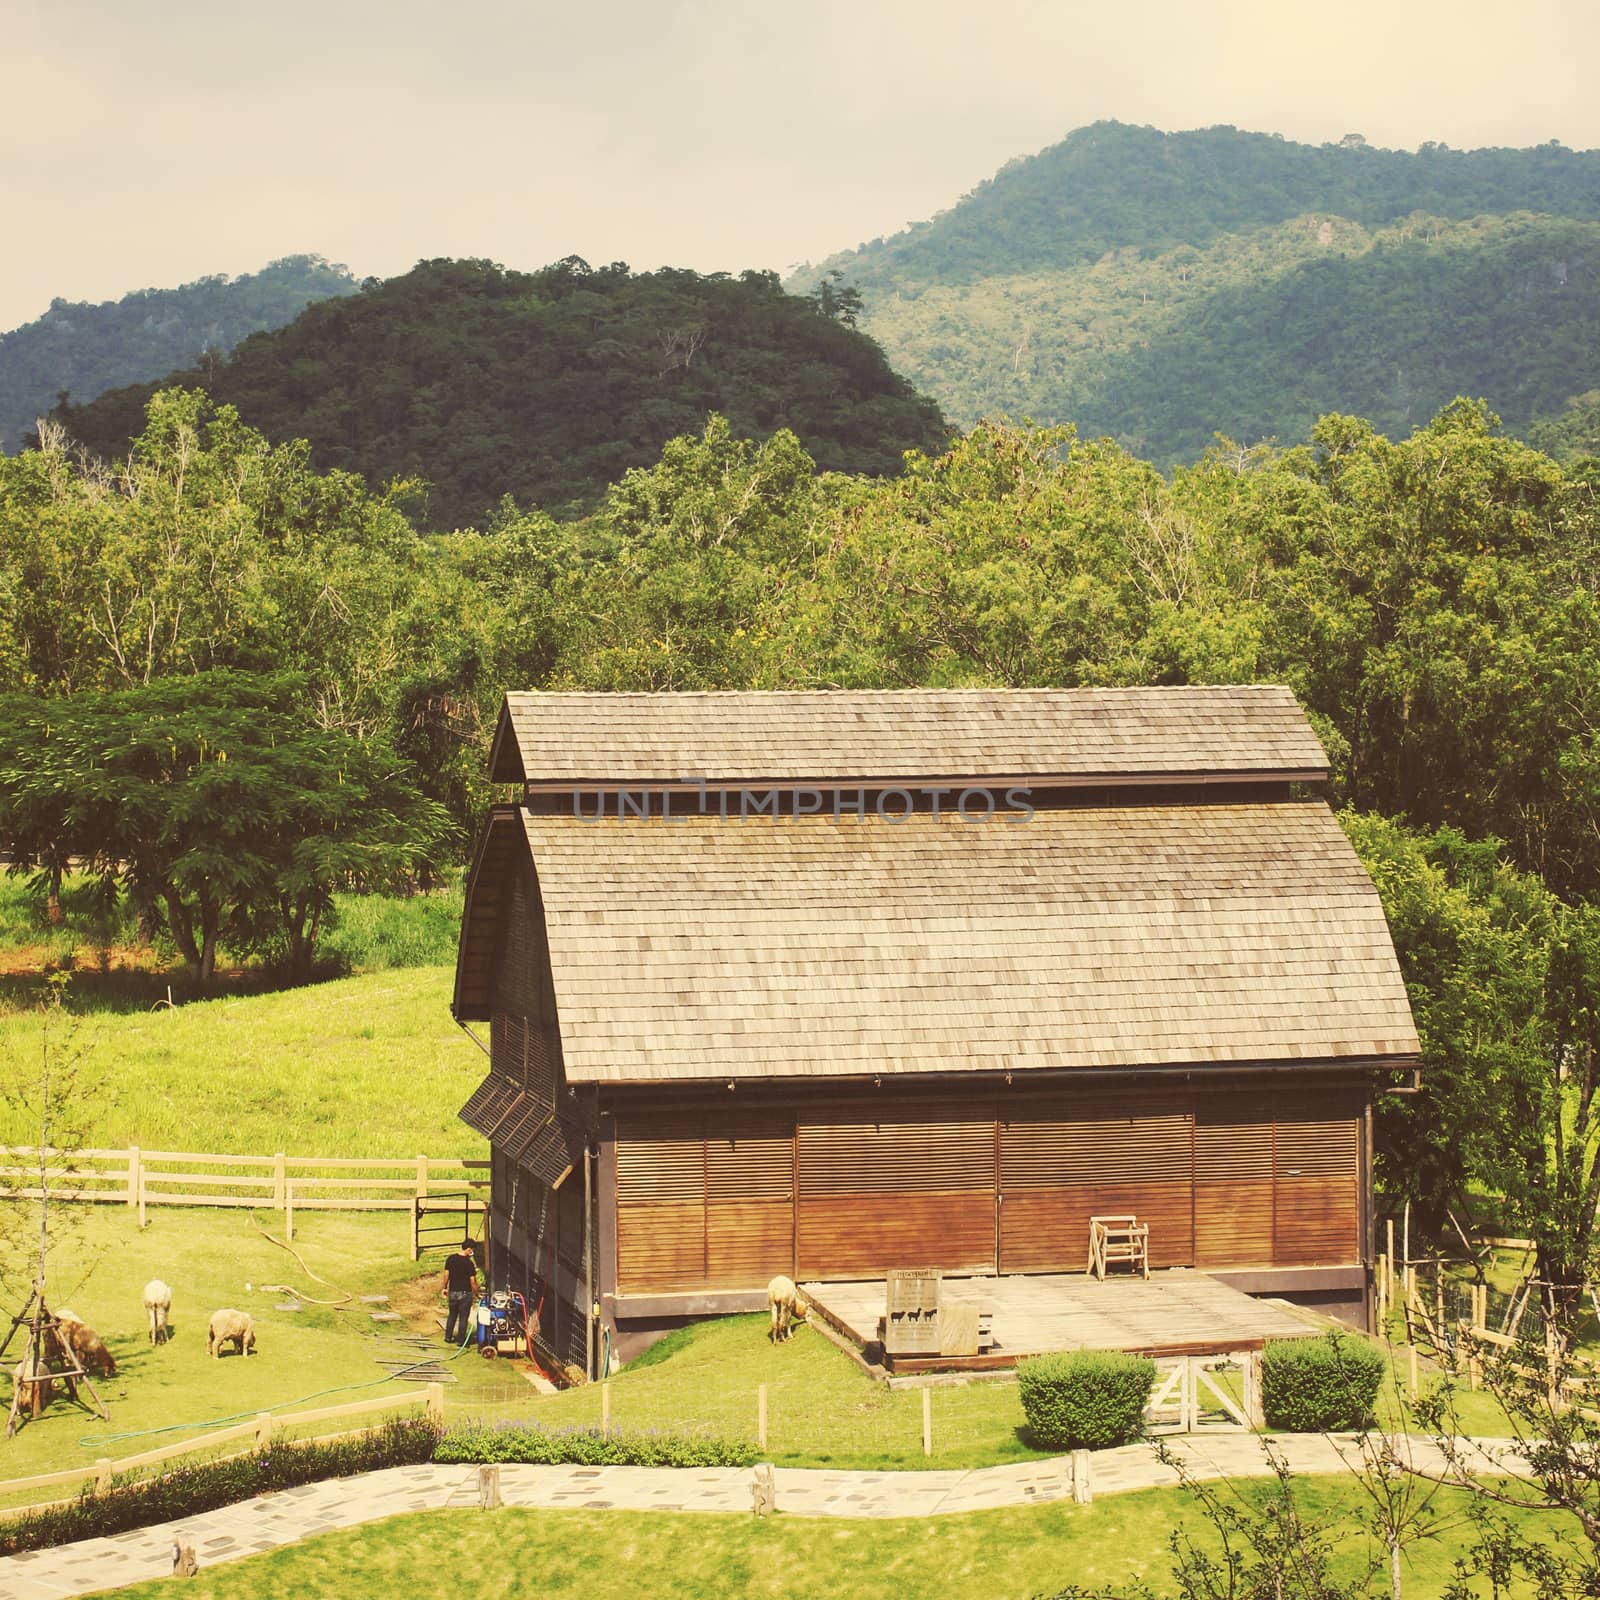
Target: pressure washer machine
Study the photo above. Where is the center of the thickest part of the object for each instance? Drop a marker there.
(502, 1324)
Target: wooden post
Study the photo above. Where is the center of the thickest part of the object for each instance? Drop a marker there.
(141, 1194)
(288, 1207)
(489, 1487)
(761, 1415)
(1388, 1294)
(416, 1230)
(1082, 1490)
(422, 1180)
(765, 1490)
(436, 1404)
(927, 1422)
(133, 1177)
(278, 1180)
(1413, 1350)
(605, 1407)
(1254, 1401)
(263, 1429)
(1381, 1313)
(1438, 1295)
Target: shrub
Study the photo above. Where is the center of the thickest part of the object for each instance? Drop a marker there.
(1084, 1399)
(1321, 1384)
(203, 1486)
(482, 1442)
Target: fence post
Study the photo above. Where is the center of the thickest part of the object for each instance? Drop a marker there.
(489, 1488)
(133, 1177)
(288, 1207)
(422, 1177)
(1082, 1491)
(1388, 1297)
(416, 1230)
(263, 1429)
(436, 1404)
(1190, 1390)
(141, 1194)
(1413, 1349)
(278, 1181)
(761, 1415)
(605, 1407)
(102, 1475)
(927, 1422)
(1254, 1400)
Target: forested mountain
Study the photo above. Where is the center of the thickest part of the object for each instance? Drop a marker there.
(83, 349)
(548, 386)
(1160, 288)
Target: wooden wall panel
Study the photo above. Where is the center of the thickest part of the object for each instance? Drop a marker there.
(1233, 1224)
(749, 1243)
(863, 1235)
(1318, 1222)
(1047, 1230)
(661, 1246)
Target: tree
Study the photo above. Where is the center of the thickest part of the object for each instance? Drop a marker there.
(216, 799)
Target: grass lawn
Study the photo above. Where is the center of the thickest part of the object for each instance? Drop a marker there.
(367, 1066)
(619, 1555)
(208, 1257)
(822, 1409)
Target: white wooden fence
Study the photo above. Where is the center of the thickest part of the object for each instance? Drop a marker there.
(139, 1179)
(261, 1432)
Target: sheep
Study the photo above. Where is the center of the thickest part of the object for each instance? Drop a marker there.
(87, 1345)
(158, 1302)
(787, 1305)
(230, 1327)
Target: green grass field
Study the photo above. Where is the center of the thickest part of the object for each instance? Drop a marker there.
(619, 1555)
(369, 1066)
(208, 1257)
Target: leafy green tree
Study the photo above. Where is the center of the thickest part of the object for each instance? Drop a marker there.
(217, 800)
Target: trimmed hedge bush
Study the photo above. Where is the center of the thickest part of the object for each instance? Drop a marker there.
(182, 1491)
(1085, 1399)
(1322, 1384)
(525, 1442)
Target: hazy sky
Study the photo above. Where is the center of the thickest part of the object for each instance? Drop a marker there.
(149, 143)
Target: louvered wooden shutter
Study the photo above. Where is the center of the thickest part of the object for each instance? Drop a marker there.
(749, 1201)
(898, 1193)
(1065, 1163)
(1316, 1172)
(1233, 1182)
(661, 1205)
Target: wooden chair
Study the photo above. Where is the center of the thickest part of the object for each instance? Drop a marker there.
(1118, 1240)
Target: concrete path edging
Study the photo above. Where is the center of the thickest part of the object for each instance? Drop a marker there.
(271, 1521)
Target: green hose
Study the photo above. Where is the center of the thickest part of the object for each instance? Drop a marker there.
(91, 1440)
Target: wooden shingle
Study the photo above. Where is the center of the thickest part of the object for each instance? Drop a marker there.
(1093, 937)
(916, 736)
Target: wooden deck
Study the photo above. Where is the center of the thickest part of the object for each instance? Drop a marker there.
(1173, 1312)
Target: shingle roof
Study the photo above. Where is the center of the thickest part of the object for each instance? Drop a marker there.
(916, 735)
(1094, 937)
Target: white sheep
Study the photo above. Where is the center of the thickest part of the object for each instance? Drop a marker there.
(786, 1305)
(230, 1327)
(158, 1302)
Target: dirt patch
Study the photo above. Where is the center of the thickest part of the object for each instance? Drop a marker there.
(420, 1304)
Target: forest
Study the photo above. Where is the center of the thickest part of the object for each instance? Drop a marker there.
(214, 625)
(1158, 288)
(82, 350)
(546, 387)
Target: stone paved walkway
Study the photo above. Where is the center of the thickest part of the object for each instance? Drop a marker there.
(278, 1519)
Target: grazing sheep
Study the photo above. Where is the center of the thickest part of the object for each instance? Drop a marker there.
(230, 1327)
(787, 1305)
(85, 1344)
(158, 1302)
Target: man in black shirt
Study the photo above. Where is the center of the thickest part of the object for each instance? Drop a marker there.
(461, 1285)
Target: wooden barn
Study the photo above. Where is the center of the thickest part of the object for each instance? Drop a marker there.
(830, 983)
